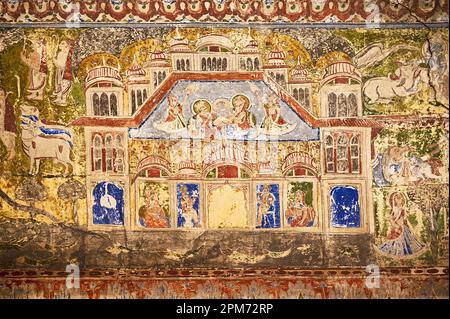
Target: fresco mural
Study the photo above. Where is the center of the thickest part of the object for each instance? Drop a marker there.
(153, 205)
(231, 116)
(300, 211)
(249, 150)
(108, 207)
(267, 206)
(188, 206)
(345, 207)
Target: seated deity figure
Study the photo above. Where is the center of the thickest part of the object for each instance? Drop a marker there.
(299, 214)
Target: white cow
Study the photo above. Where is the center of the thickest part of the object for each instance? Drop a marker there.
(40, 141)
(403, 82)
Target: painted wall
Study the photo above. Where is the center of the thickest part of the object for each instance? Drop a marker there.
(257, 183)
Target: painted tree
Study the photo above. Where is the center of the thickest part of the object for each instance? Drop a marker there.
(72, 190)
(432, 201)
(31, 191)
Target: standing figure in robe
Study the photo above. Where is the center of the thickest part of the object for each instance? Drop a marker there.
(35, 57)
(63, 71)
(188, 215)
(401, 240)
(175, 119)
(273, 122)
(266, 214)
(201, 123)
(243, 118)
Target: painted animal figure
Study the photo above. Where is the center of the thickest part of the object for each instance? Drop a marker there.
(41, 141)
(401, 169)
(375, 53)
(403, 82)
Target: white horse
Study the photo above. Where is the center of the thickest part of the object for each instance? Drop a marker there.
(40, 141)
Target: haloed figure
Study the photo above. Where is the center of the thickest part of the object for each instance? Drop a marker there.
(152, 215)
(243, 118)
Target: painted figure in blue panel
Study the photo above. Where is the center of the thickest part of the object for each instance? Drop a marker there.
(188, 205)
(108, 208)
(345, 212)
(401, 240)
(267, 206)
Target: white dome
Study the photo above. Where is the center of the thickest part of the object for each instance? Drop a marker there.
(214, 39)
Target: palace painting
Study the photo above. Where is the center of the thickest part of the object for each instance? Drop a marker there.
(284, 157)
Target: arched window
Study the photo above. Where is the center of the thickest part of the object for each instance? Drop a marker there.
(224, 64)
(342, 105)
(108, 156)
(342, 154)
(188, 65)
(282, 80)
(295, 93)
(301, 96)
(354, 153)
(164, 75)
(352, 105)
(219, 64)
(278, 78)
(160, 77)
(214, 64)
(144, 94)
(155, 79)
(332, 105)
(97, 150)
(133, 102)
(242, 64)
(104, 105)
(228, 171)
(208, 64)
(96, 104)
(256, 64)
(307, 103)
(119, 165)
(139, 97)
(109, 153)
(178, 65)
(203, 64)
(113, 104)
(249, 64)
(329, 154)
(182, 65)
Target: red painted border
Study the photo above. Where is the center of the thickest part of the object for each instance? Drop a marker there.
(303, 11)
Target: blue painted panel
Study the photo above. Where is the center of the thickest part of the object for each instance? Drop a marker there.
(345, 211)
(267, 206)
(188, 205)
(108, 207)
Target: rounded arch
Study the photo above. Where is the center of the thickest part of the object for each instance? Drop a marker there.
(155, 162)
(249, 170)
(297, 166)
